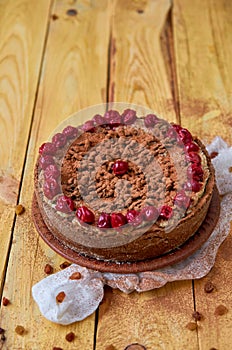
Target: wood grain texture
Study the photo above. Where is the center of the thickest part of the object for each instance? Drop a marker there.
(139, 71)
(73, 76)
(23, 25)
(155, 319)
(202, 41)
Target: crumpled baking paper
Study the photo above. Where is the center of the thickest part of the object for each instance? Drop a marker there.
(83, 296)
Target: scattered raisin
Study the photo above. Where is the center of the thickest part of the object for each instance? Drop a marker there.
(197, 316)
(110, 347)
(220, 310)
(3, 337)
(60, 297)
(70, 336)
(20, 330)
(209, 287)
(5, 301)
(55, 348)
(64, 265)
(212, 349)
(48, 269)
(75, 276)
(2, 330)
(213, 155)
(54, 17)
(230, 169)
(192, 326)
(19, 209)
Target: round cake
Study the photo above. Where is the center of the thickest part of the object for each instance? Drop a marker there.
(123, 188)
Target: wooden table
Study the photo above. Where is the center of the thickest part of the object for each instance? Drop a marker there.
(172, 57)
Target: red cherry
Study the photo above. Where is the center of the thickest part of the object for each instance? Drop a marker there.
(51, 188)
(64, 204)
(177, 127)
(192, 147)
(149, 213)
(51, 171)
(181, 199)
(193, 186)
(45, 161)
(117, 220)
(172, 134)
(99, 120)
(47, 148)
(138, 220)
(41, 148)
(185, 136)
(120, 167)
(129, 116)
(59, 140)
(150, 120)
(70, 132)
(113, 118)
(88, 126)
(193, 158)
(166, 212)
(131, 215)
(85, 215)
(104, 221)
(195, 172)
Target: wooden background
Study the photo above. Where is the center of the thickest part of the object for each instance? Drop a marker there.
(174, 57)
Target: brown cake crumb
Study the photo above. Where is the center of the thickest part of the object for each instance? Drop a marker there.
(60, 297)
(20, 330)
(192, 326)
(5, 301)
(212, 349)
(3, 337)
(213, 155)
(220, 310)
(197, 316)
(19, 209)
(209, 287)
(230, 169)
(75, 276)
(70, 337)
(64, 265)
(48, 269)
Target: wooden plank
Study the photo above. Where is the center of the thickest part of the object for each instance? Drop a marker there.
(202, 40)
(155, 319)
(74, 75)
(139, 57)
(23, 26)
(203, 52)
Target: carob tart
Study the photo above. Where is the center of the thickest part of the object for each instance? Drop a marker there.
(123, 190)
